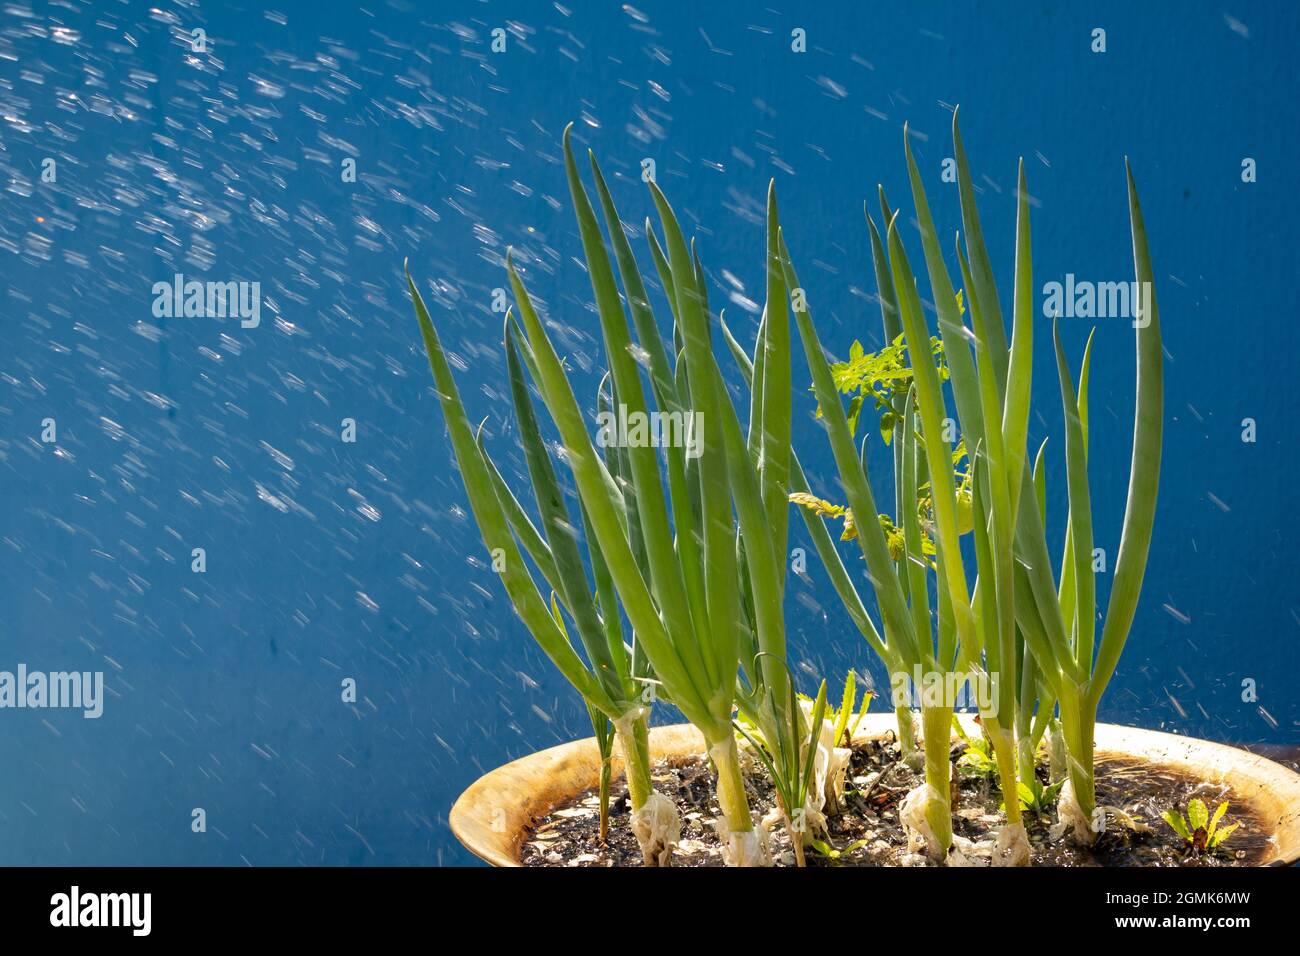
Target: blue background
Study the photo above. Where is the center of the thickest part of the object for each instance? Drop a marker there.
(328, 560)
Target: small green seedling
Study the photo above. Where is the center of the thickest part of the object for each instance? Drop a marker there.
(845, 720)
(978, 759)
(828, 852)
(1200, 830)
(1036, 798)
(792, 775)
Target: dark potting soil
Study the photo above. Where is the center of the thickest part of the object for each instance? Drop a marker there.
(867, 831)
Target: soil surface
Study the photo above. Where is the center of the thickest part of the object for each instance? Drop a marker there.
(867, 831)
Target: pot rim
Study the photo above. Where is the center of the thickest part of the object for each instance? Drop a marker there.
(493, 815)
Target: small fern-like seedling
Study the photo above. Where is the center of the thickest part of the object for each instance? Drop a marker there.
(1200, 831)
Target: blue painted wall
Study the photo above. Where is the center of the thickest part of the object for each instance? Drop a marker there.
(328, 560)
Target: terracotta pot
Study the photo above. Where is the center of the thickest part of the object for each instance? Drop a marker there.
(493, 816)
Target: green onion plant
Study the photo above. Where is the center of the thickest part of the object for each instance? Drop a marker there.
(608, 679)
(786, 746)
(1058, 618)
(793, 744)
(698, 571)
(973, 630)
